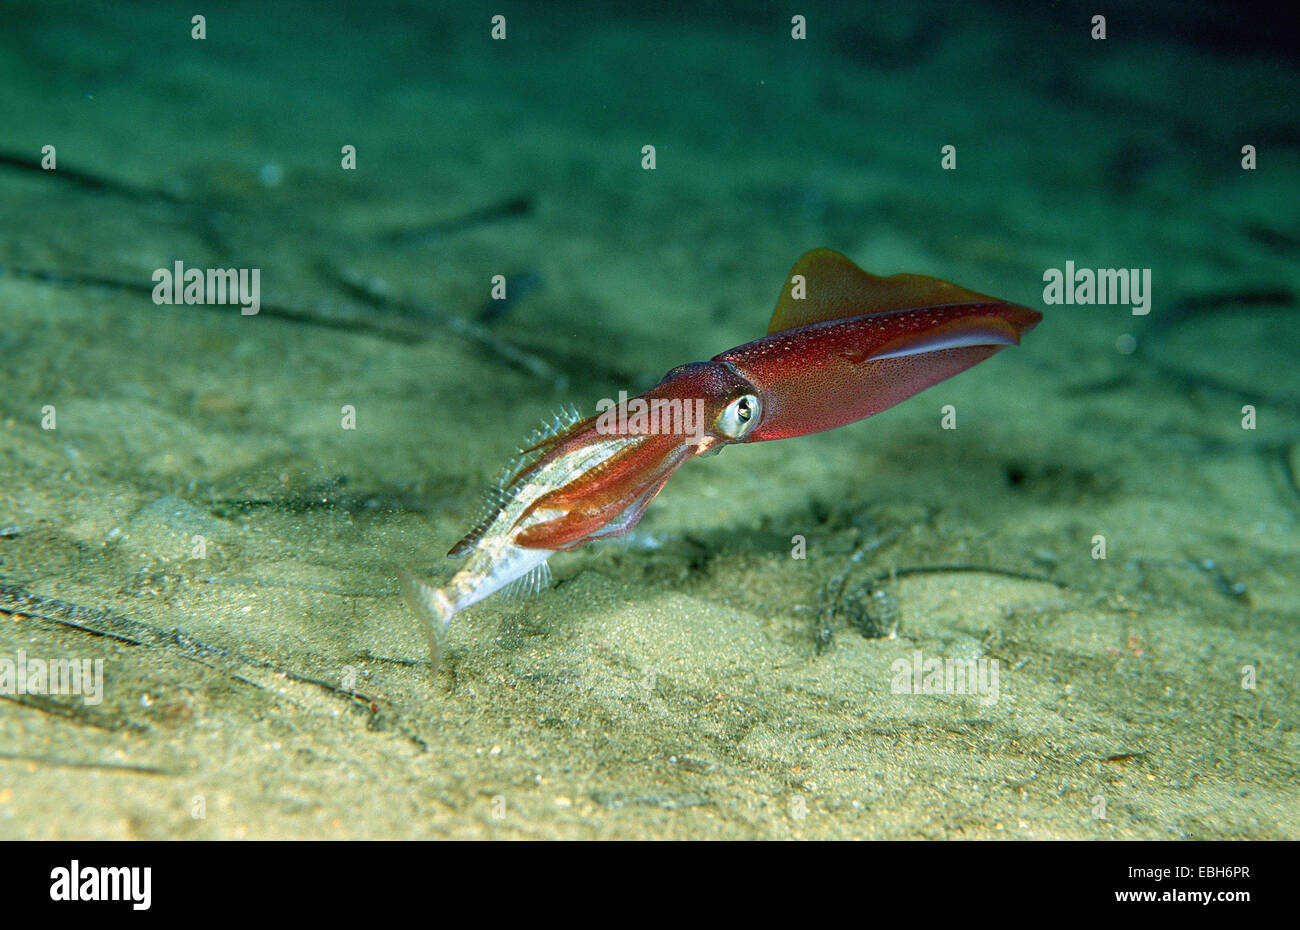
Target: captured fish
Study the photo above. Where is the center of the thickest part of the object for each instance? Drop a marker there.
(519, 503)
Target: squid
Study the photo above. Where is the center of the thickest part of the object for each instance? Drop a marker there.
(842, 344)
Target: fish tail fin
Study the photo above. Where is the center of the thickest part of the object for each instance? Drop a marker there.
(434, 610)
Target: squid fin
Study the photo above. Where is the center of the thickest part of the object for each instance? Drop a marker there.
(834, 288)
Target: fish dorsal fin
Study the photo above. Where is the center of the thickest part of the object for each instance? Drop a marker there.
(492, 502)
(497, 496)
(559, 422)
(833, 288)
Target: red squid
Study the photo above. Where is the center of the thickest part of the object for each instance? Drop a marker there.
(842, 345)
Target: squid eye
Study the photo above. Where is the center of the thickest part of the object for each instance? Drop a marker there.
(740, 416)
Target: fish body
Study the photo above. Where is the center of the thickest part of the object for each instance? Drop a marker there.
(521, 501)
